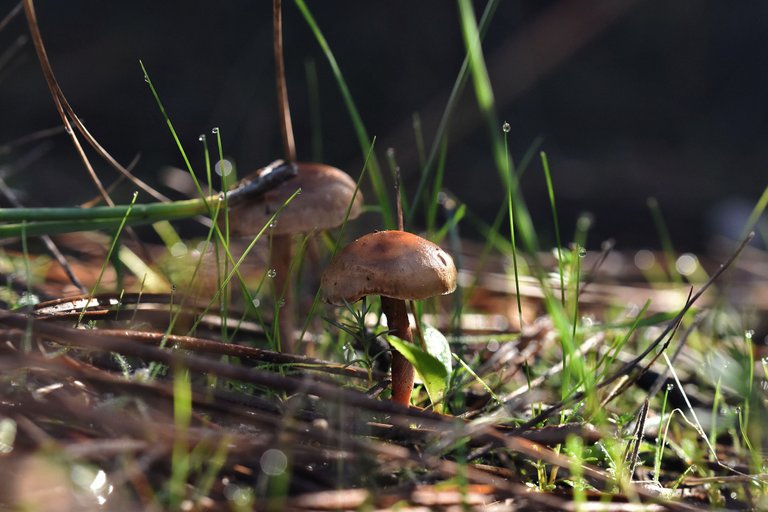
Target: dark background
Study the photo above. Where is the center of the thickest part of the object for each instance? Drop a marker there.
(632, 99)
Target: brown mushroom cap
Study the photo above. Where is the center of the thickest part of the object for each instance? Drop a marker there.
(394, 264)
(325, 195)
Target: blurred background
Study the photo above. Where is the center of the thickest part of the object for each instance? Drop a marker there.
(631, 100)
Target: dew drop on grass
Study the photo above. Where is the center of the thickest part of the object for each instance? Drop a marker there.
(582, 252)
(271, 273)
(506, 127)
(273, 224)
(215, 130)
(223, 167)
(281, 303)
(201, 138)
(256, 303)
(670, 387)
(748, 334)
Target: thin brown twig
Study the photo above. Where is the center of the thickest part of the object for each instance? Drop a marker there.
(92, 339)
(50, 79)
(637, 438)
(69, 117)
(241, 351)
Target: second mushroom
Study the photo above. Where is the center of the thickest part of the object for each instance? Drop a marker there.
(398, 266)
(328, 197)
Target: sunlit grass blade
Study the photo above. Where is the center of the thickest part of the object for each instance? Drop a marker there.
(436, 188)
(665, 238)
(175, 136)
(106, 260)
(755, 215)
(182, 416)
(486, 103)
(453, 99)
(511, 209)
(339, 238)
(315, 114)
(363, 139)
(551, 192)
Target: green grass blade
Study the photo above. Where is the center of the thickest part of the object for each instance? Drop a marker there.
(510, 208)
(168, 122)
(757, 211)
(486, 103)
(374, 170)
(665, 238)
(553, 206)
(453, 99)
(106, 260)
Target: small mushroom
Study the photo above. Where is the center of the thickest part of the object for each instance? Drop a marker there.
(398, 266)
(326, 194)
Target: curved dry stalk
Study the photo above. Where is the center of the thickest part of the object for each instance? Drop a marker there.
(281, 253)
(282, 89)
(69, 118)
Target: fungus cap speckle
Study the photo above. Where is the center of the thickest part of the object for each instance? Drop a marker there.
(326, 193)
(394, 264)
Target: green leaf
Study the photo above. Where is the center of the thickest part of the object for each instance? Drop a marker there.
(433, 371)
(438, 347)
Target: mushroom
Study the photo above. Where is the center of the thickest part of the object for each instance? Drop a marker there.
(398, 266)
(326, 194)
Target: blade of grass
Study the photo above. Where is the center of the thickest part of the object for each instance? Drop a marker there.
(453, 98)
(374, 170)
(175, 136)
(757, 211)
(315, 115)
(106, 260)
(553, 207)
(486, 103)
(436, 188)
(665, 238)
(182, 416)
(511, 210)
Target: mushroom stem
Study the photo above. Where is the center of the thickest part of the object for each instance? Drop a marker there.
(280, 262)
(402, 370)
